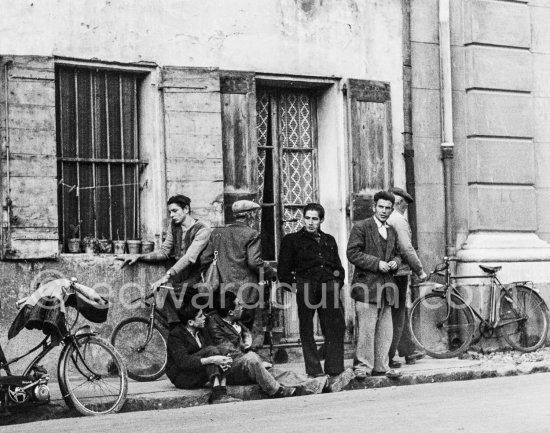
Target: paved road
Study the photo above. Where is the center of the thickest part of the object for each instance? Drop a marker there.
(510, 404)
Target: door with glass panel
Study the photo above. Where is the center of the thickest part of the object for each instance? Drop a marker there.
(287, 175)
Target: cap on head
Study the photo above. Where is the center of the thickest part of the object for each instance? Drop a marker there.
(242, 206)
(402, 193)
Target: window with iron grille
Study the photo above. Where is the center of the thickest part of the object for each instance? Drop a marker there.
(287, 163)
(98, 152)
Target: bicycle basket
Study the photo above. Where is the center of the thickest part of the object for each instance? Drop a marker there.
(88, 303)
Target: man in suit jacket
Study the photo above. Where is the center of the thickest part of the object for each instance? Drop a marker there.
(192, 361)
(233, 339)
(240, 263)
(372, 248)
(402, 340)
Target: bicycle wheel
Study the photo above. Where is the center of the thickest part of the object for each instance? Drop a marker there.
(523, 318)
(443, 330)
(92, 377)
(144, 360)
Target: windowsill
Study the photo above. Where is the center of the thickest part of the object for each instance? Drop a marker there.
(105, 255)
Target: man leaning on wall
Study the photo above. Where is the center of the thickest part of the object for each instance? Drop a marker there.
(402, 341)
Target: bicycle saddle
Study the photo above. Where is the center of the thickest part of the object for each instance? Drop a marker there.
(491, 269)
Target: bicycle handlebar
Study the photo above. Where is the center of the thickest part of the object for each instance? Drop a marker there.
(152, 294)
(21, 302)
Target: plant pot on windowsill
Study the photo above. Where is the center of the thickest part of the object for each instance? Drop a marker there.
(147, 247)
(73, 245)
(134, 246)
(120, 247)
(91, 245)
(105, 246)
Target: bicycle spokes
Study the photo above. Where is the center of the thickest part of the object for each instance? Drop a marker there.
(523, 320)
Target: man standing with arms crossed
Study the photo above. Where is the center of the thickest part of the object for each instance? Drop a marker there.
(372, 249)
(401, 335)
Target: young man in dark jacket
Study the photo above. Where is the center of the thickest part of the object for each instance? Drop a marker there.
(232, 338)
(192, 360)
(310, 265)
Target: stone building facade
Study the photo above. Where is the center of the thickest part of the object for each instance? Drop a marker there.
(107, 111)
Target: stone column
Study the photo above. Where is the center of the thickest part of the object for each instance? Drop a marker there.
(502, 140)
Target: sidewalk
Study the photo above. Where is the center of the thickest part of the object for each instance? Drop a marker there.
(161, 394)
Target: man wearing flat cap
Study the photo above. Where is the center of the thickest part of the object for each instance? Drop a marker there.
(401, 336)
(240, 263)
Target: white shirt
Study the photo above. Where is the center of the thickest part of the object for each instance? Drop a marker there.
(196, 337)
(382, 228)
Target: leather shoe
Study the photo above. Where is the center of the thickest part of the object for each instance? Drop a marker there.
(390, 374)
(415, 356)
(393, 374)
(395, 364)
(284, 391)
(361, 375)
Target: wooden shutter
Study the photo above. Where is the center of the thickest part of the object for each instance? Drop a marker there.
(193, 134)
(29, 178)
(238, 99)
(369, 111)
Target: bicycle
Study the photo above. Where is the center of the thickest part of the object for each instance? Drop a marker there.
(92, 377)
(142, 342)
(442, 323)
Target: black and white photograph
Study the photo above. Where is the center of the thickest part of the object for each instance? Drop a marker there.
(274, 216)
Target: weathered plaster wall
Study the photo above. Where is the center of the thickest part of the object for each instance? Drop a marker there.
(341, 38)
(103, 273)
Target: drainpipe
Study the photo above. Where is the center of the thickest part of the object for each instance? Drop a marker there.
(408, 146)
(447, 145)
(4, 195)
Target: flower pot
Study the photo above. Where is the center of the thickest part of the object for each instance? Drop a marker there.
(147, 247)
(134, 246)
(120, 247)
(89, 249)
(73, 245)
(105, 246)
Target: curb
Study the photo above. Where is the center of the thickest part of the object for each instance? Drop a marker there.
(174, 399)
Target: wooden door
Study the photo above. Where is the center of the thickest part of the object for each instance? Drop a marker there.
(369, 154)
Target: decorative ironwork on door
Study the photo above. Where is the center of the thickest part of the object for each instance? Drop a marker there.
(287, 178)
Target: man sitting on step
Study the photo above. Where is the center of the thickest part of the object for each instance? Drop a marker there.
(192, 361)
(233, 339)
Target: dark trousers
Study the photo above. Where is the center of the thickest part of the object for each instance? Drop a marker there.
(401, 340)
(312, 296)
(197, 378)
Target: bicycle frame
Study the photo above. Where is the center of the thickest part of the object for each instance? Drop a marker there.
(46, 348)
(152, 314)
(496, 289)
